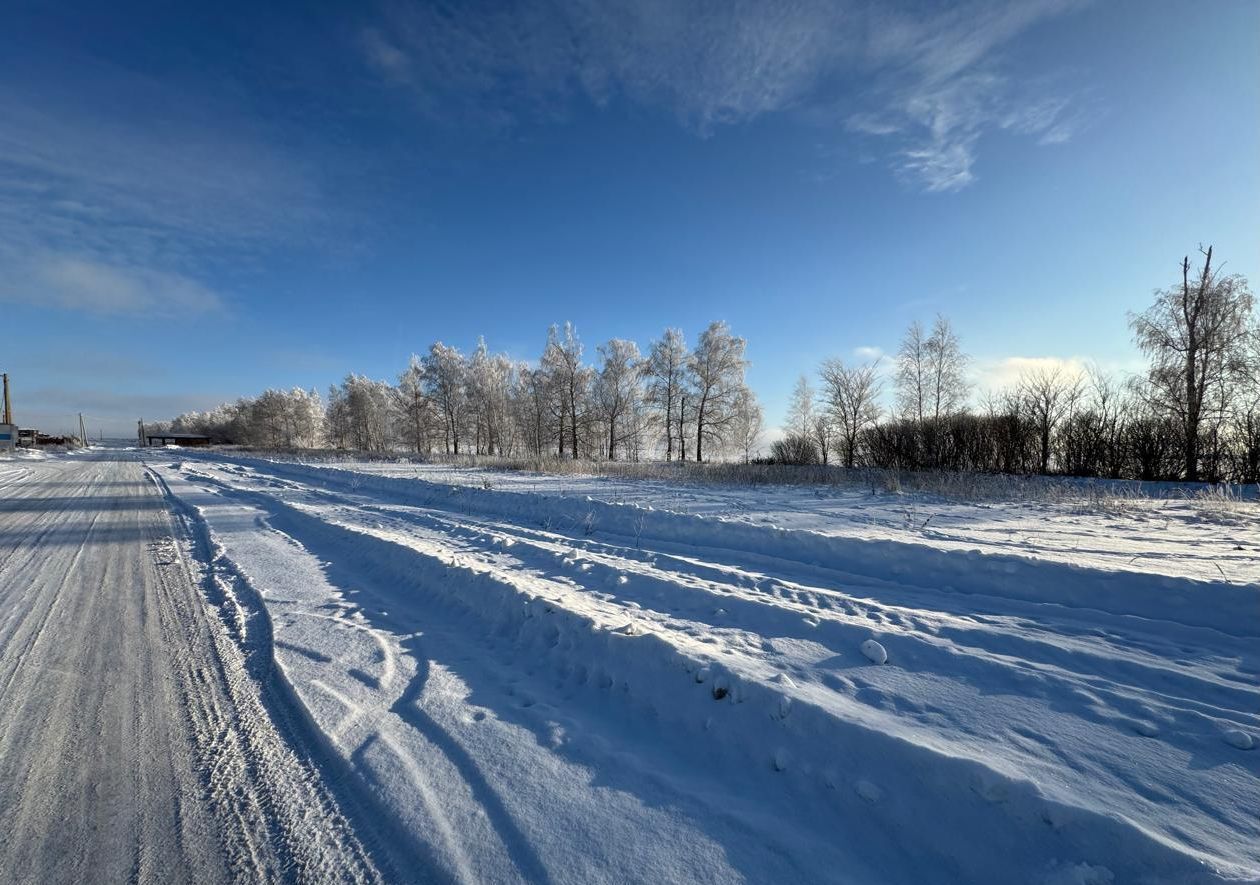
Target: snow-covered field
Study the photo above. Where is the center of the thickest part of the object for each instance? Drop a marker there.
(576, 680)
(553, 679)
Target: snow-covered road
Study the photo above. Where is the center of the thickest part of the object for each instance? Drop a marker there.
(135, 745)
(563, 689)
(217, 668)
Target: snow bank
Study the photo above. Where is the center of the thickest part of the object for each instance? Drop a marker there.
(1216, 605)
(890, 787)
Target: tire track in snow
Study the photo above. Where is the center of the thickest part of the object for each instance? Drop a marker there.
(393, 853)
(134, 745)
(312, 522)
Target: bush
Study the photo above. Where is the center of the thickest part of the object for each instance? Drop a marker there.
(795, 449)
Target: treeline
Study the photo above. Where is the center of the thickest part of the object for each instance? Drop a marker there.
(675, 401)
(1193, 415)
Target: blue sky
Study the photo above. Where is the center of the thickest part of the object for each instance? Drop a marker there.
(197, 202)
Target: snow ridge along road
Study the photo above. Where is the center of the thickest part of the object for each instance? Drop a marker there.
(140, 741)
(554, 689)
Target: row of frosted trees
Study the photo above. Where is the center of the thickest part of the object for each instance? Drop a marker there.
(1193, 414)
(675, 401)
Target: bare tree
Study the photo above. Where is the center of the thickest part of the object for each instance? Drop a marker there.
(1048, 395)
(445, 370)
(535, 406)
(912, 373)
(563, 360)
(616, 390)
(666, 371)
(800, 413)
(717, 383)
(358, 413)
(416, 415)
(852, 395)
(489, 381)
(947, 388)
(822, 432)
(1194, 334)
(750, 424)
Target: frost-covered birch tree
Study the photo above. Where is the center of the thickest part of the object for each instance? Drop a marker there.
(617, 391)
(666, 373)
(444, 372)
(716, 375)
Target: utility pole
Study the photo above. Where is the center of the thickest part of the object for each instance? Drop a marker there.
(140, 431)
(82, 431)
(8, 409)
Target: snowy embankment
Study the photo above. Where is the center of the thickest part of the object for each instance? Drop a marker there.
(559, 688)
(1165, 529)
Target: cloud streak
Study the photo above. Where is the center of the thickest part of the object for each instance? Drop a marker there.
(939, 85)
(929, 83)
(73, 283)
(105, 212)
(709, 63)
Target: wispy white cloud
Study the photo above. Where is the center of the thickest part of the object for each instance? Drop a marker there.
(868, 353)
(205, 176)
(79, 284)
(931, 81)
(101, 210)
(939, 85)
(710, 63)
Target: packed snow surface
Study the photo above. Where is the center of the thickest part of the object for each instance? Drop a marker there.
(507, 677)
(138, 743)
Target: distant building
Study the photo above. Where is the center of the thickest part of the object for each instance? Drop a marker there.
(176, 439)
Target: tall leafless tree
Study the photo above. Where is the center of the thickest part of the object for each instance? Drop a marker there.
(563, 359)
(750, 424)
(616, 390)
(852, 395)
(717, 382)
(666, 372)
(912, 373)
(947, 388)
(1195, 335)
(800, 413)
(444, 383)
(1048, 394)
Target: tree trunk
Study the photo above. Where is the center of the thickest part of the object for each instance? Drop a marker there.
(700, 432)
(682, 430)
(573, 421)
(669, 431)
(1192, 416)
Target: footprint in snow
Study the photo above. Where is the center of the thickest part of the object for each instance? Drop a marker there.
(868, 791)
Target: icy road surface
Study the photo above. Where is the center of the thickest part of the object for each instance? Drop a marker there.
(217, 668)
(134, 744)
(557, 688)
